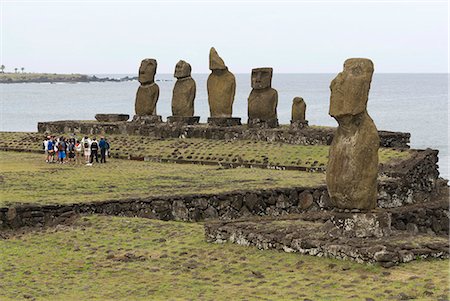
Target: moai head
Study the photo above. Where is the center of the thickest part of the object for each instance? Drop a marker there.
(262, 78)
(215, 61)
(298, 101)
(147, 71)
(350, 88)
(182, 69)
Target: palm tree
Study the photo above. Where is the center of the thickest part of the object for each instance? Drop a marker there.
(3, 68)
(15, 70)
(22, 69)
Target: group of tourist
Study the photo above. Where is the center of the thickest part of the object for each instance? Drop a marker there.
(62, 150)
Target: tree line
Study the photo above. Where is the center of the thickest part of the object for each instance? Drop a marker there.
(3, 67)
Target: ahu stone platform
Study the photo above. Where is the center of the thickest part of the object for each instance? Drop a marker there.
(364, 237)
(309, 135)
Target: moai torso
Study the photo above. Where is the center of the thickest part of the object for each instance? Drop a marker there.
(263, 99)
(184, 91)
(353, 158)
(221, 87)
(148, 92)
(298, 110)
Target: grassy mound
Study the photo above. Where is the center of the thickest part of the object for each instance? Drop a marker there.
(26, 178)
(219, 151)
(112, 258)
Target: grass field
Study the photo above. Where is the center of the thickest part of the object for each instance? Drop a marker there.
(236, 151)
(112, 258)
(26, 178)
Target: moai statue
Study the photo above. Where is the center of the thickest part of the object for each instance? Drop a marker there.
(221, 90)
(183, 96)
(298, 119)
(353, 159)
(263, 99)
(147, 94)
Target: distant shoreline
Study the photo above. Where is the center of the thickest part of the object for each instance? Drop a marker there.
(18, 78)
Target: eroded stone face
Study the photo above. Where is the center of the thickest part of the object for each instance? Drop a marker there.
(263, 100)
(148, 92)
(221, 87)
(298, 109)
(353, 158)
(182, 69)
(147, 71)
(262, 78)
(184, 91)
(215, 61)
(350, 88)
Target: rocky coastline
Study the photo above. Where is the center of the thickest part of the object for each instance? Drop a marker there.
(20, 78)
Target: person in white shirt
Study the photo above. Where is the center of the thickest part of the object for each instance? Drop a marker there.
(45, 146)
(86, 143)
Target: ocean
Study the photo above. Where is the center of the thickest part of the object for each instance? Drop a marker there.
(415, 103)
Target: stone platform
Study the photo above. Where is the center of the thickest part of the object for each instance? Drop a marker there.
(183, 120)
(224, 121)
(310, 135)
(263, 124)
(316, 234)
(146, 120)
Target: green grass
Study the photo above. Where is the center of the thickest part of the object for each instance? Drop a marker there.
(219, 151)
(113, 258)
(26, 178)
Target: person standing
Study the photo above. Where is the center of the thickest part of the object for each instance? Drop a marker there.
(94, 151)
(45, 147)
(78, 152)
(50, 150)
(102, 145)
(86, 142)
(62, 148)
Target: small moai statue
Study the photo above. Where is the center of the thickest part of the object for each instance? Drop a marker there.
(263, 99)
(183, 96)
(353, 157)
(147, 94)
(221, 87)
(298, 119)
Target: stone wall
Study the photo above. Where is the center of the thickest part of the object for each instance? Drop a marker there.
(226, 206)
(284, 134)
(409, 181)
(315, 233)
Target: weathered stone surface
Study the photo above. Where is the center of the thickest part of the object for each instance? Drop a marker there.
(263, 99)
(221, 87)
(314, 234)
(112, 117)
(353, 159)
(301, 136)
(183, 120)
(147, 119)
(148, 92)
(184, 91)
(363, 224)
(298, 110)
(224, 121)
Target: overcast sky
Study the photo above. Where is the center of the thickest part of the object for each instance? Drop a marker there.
(300, 37)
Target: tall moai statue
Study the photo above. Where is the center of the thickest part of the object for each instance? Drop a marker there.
(353, 159)
(183, 96)
(298, 117)
(263, 99)
(221, 90)
(147, 94)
